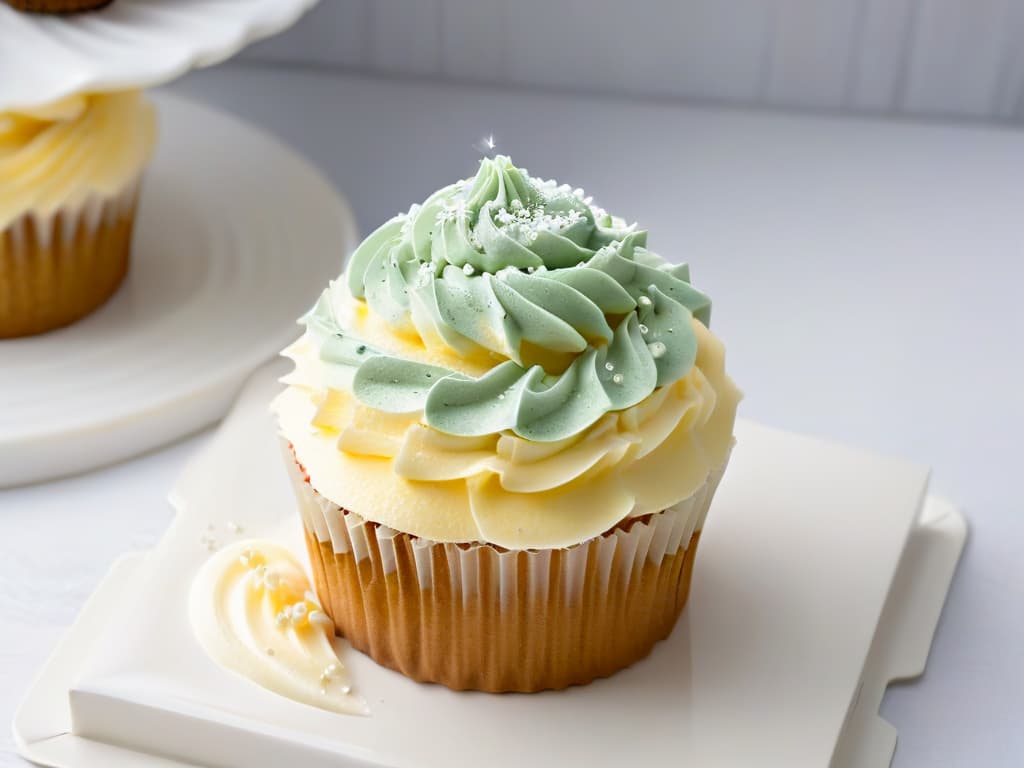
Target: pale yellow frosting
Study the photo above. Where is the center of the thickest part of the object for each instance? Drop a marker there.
(63, 154)
(395, 470)
(253, 611)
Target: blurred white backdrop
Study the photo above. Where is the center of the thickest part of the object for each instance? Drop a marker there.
(960, 58)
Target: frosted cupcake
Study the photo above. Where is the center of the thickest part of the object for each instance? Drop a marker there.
(505, 427)
(69, 177)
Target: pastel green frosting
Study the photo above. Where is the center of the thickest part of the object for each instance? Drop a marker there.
(504, 259)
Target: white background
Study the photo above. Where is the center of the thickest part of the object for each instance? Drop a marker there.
(962, 58)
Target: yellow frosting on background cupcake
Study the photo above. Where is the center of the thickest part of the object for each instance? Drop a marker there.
(59, 155)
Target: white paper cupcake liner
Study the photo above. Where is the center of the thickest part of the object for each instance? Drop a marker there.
(64, 223)
(57, 267)
(473, 615)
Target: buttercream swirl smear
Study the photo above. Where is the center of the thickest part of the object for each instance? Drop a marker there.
(253, 611)
(509, 363)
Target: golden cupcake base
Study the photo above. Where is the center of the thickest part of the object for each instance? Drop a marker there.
(56, 271)
(480, 617)
(499, 642)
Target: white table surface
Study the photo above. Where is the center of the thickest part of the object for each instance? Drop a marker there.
(865, 277)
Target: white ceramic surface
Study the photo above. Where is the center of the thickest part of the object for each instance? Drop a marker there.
(905, 631)
(128, 44)
(236, 236)
(763, 669)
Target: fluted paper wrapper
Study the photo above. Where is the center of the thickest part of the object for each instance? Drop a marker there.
(476, 616)
(58, 268)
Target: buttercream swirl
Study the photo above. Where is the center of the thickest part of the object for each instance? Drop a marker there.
(508, 363)
(579, 316)
(64, 153)
(394, 469)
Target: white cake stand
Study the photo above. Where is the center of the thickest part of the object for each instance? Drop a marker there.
(128, 44)
(235, 238)
(821, 577)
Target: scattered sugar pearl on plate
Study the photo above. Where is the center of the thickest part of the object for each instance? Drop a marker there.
(321, 618)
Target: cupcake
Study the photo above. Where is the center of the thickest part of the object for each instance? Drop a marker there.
(57, 6)
(504, 429)
(70, 174)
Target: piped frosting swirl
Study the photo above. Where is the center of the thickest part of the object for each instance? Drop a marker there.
(580, 317)
(508, 363)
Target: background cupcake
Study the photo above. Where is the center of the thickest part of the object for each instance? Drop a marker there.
(505, 428)
(57, 6)
(71, 172)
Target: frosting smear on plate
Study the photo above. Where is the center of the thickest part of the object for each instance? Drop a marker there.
(254, 612)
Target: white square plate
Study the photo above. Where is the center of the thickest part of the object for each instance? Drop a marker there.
(780, 659)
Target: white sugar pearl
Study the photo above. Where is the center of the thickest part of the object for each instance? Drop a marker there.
(321, 618)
